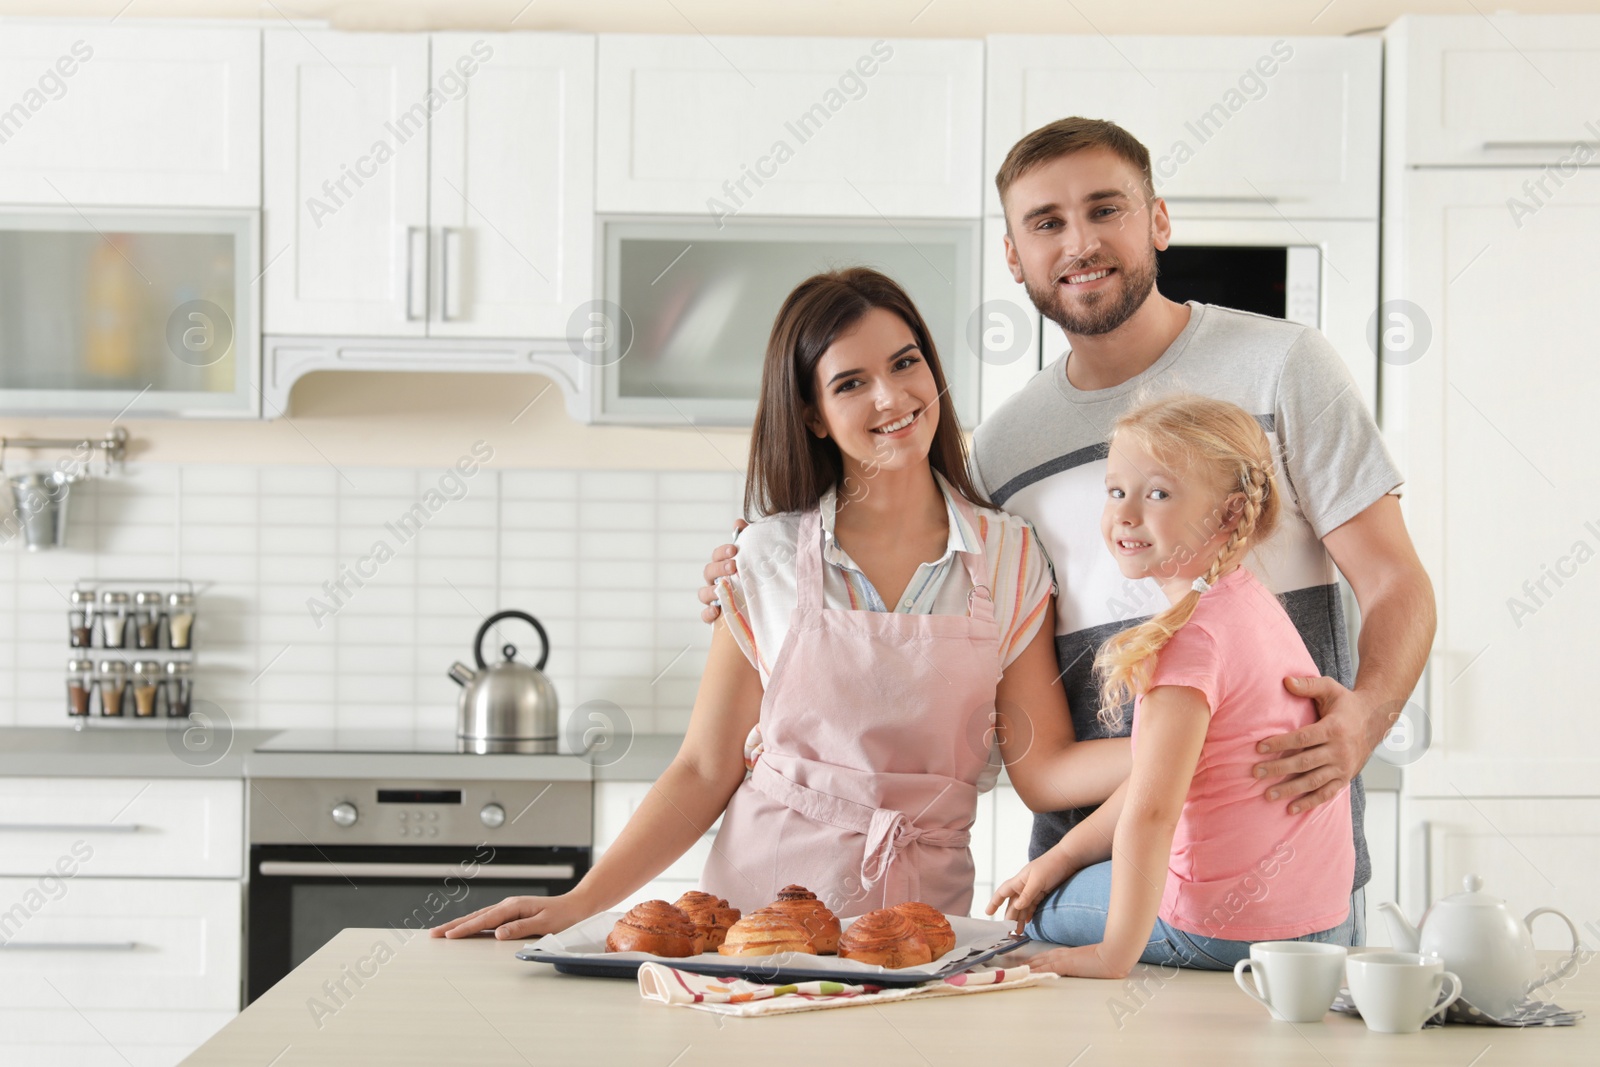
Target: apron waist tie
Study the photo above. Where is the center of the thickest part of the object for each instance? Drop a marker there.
(887, 831)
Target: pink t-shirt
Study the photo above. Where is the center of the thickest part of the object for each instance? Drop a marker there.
(1242, 867)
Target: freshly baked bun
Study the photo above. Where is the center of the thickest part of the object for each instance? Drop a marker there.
(822, 925)
(887, 938)
(710, 914)
(658, 928)
(765, 932)
(934, 926)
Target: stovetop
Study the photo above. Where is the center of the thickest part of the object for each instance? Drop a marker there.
(379, 742)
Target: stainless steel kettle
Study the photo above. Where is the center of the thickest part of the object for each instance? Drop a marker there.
(506, 706)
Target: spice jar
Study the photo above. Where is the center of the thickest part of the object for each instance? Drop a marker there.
(147, 619)
(114, 619)
(80, 684)
(81, 618)
(147, 675)
(180, 619)
(113, 684)
(178, 682)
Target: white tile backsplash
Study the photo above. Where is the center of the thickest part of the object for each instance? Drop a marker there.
(608, 561)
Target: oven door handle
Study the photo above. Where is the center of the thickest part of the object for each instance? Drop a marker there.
(312, 869)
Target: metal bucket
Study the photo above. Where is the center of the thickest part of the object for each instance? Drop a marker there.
(40, 507)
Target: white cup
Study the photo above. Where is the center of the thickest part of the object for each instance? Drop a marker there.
(1296, 980)
(1396, 992)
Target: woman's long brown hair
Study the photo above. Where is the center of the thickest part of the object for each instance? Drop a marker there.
(790, 467)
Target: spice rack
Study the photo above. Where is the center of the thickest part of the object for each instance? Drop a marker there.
(131, 645)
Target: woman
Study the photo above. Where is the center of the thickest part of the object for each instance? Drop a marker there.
(867, 731)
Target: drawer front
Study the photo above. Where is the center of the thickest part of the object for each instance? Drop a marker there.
(114, 827)
(67, 1038)
(114, 943)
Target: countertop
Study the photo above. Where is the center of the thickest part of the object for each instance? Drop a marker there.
(189, 751)
(428, 1001)
(145, 751)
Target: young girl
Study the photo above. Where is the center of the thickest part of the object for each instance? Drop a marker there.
(884, 622)
(1187, 863)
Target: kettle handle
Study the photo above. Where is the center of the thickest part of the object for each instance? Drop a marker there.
(544, 639)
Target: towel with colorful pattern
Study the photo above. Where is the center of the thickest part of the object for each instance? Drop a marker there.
(737, 996)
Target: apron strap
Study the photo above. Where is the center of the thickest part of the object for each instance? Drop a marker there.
(887, 831)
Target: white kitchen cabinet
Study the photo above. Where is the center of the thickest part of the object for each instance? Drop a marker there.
(428, 185)
(1489, 406)
(116, 827)
(1531, 852)
(130, 116)
(1010, 332)
(1239, 127)
(345, 186)
(851, 127)
(1493, 90)
(1382, 825)
(1013, 827)
(511, 185)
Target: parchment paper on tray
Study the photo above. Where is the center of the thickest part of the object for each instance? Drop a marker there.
(586, 943)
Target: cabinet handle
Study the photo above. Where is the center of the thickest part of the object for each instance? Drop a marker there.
(69, 946)
(313, 869)
(1512, 146)
(69, 827)
(412, 233)
(450, 267)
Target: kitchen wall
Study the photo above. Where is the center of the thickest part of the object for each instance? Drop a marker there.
(608, 561)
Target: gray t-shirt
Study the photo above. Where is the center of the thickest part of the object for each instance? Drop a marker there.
(1042, 456)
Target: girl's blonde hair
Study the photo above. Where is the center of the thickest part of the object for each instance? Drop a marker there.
(1212, 439)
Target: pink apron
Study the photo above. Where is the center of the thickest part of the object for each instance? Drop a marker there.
(876, 728)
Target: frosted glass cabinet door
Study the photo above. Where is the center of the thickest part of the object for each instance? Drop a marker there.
(148, 313)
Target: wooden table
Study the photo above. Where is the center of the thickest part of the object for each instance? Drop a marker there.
(433, 1002)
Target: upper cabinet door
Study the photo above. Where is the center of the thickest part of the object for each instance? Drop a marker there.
(1494, 90)
(1236, 126)
(130, 116)
(345, 245)
(512, 183)
(789, 126)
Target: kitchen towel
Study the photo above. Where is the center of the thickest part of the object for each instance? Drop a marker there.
(1528, 1013)
(736, 996)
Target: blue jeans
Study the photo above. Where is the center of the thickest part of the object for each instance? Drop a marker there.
(1075, 914)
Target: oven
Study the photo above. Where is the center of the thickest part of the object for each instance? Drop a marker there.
(327, 854)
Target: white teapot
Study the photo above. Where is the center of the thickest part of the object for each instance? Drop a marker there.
(1479, 939)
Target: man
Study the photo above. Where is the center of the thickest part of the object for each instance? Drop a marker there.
(1083, 225)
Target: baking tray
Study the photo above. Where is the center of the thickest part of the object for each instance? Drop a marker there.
(580, 950)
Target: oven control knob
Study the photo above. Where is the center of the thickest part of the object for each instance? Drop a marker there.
(493, 816)
(344, 813)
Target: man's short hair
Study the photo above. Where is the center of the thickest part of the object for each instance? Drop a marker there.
(1066, 136)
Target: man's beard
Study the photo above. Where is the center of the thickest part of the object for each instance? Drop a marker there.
(1104, 311)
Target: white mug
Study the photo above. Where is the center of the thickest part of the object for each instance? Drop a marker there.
(1396, 992)
(1296, 980)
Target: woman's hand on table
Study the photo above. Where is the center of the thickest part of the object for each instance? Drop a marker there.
(517, 917)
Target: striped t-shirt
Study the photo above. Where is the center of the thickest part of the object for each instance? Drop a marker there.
(1043, 455)
(758, 601)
